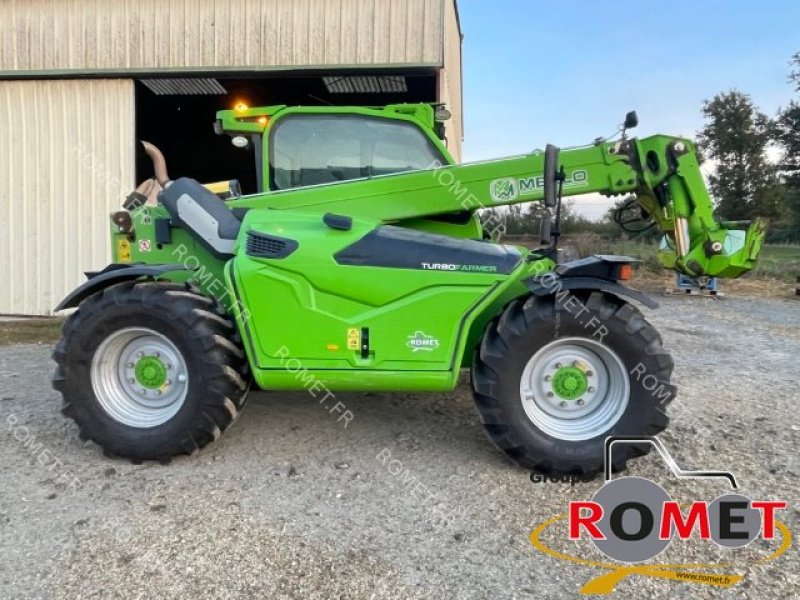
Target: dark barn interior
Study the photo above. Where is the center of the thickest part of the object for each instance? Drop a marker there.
(177, 115)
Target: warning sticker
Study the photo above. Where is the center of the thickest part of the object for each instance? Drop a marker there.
(123, 251)
(353, 339)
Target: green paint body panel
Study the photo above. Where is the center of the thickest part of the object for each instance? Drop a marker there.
(308, 307)
(305, 317)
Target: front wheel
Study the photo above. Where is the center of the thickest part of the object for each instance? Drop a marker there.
(553, 378)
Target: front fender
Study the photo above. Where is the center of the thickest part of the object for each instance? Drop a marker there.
(544, 285)
(114, 273)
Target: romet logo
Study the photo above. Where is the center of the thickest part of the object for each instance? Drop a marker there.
(632, 520)
(420, 341)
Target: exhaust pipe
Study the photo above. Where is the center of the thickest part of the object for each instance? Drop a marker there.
(159, 163)
(145, 188)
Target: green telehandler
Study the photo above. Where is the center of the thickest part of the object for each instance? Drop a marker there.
(361, 264)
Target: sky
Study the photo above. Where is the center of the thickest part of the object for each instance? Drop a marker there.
(567, 71)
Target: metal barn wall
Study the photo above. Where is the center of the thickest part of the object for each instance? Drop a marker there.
(450, 81)
(147, 35)
(67, 157)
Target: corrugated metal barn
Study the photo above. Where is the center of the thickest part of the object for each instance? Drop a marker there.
(82, 80)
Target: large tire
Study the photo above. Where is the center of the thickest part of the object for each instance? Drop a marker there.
(150, 370)
(527, 396)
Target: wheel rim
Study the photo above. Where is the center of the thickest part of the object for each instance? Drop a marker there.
(574, 388)
(139, 377)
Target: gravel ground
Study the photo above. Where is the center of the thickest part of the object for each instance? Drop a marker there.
(409, 501)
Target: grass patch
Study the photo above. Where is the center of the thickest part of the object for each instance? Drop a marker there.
(30, 331)
(781, 261)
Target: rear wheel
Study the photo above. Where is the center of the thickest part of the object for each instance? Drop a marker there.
(150, 370)
(553, 379)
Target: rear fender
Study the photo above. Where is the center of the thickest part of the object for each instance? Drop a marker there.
(113, 274)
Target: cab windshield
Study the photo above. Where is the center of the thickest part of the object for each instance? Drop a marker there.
(317, 149)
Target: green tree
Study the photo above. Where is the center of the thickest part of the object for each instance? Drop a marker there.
(787, 133)
(735, 137)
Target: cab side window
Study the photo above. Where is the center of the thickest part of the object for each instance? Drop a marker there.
(317, 149)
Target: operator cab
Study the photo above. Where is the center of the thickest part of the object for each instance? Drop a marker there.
(302, 147)
(306, 146)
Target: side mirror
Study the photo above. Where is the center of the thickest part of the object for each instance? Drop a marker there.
(631, 120)
(550, 167)
(545, 238)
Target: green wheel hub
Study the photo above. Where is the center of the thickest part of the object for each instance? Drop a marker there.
(150, 372)
(570, 383)
(574, 388)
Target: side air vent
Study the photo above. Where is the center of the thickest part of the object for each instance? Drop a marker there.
(262, 245)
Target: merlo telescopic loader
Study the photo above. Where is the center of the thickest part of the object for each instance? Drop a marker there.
(361, 264)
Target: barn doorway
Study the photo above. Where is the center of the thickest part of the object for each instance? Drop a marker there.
(177, 114)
